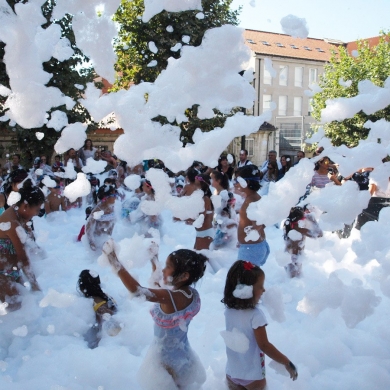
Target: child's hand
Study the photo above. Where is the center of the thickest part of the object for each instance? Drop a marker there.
(292, 370)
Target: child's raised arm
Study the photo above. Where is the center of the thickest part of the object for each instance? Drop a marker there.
(152, 295)
(271, 351)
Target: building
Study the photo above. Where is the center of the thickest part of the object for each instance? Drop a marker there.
(284, 68)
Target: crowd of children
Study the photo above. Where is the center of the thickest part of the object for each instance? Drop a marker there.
(227, 192)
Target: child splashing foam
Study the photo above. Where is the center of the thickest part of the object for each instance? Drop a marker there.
(101, 222)
(299, 224)
(245, 368)
(170, 363)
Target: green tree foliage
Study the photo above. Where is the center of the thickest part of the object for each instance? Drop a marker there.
(134, 54)
(370, 64)
(66, 74)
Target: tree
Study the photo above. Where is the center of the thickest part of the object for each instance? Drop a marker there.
(165, 30)
(65, 76)
(370, 64)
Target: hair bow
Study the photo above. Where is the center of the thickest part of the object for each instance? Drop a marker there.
(248, 265)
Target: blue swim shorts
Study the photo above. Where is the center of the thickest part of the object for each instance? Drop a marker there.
(255, 253)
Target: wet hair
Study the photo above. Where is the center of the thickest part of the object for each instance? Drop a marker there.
(191, 173)
(186, 260)
(106, 190)
(205, 184)
(31, 195)
(241, 272)
(317, 164)
(15, 177)
(222, 179)
(251, 174)
(89, 286)
(296, 214)
(88, 212)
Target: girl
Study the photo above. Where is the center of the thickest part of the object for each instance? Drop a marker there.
(205, 234)
(87, 151)
(103, 305)
(224, 167)
(101, 222)
(13, 250)
(190, 187)
(324, 174)
(301, 221)
(225, 221)
(11, 184)
(251, 237)
(285, 161)
(145, 221)
(246, 369)
(174, 309)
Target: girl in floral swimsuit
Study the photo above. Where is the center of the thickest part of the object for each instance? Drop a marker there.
(176, 365)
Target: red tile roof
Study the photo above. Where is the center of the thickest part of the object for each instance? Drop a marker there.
(372, 42)
(274, 44)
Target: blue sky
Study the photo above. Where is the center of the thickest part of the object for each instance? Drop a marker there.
(346, 20)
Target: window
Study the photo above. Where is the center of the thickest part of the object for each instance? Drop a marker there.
(310, 106)
(282, 105)
(307, 48)
(250, 146)
(267, 102)
(320, 50)
(265, 43)
(283, 75)
(267, 78)
(298, 82)
(278, 44)
(312, 76)
(297, 106)
(294, 47)
(250, 41)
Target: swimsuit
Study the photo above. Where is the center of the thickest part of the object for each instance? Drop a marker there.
(255, 253)
(11, 273)
(6, 247)
(170, 331)
(205, 233)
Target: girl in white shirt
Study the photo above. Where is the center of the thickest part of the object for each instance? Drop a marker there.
(245, 368)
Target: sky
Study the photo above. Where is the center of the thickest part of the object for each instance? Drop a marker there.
(346, 20)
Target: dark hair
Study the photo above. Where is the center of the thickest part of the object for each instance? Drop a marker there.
(275, 167)
(191, 173)
(251, 174)
(148, 184)
(17, 155)
(296, 213)
(30, 194)
(85, 143)
(244, 150)
(88, 212)
(16, 176)
(205, 184)
(222, 179)
(186, 260)
(89, 286)
(239, 274)
(317, 164)
(105, 190)
(288, 163)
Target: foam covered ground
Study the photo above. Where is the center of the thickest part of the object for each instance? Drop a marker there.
(332, 323)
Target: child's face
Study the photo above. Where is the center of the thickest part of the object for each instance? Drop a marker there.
(168, 271)
(258, 289)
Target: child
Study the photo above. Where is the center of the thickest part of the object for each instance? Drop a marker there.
(245, 369)
(55, 201)
(101, 222)
(251, 237)
(103, 305)
(88, 211)
(174, 309)
(299, 225)
(225, 220)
